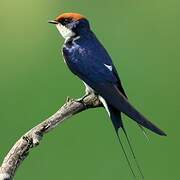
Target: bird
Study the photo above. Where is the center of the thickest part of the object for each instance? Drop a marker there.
(87, 58)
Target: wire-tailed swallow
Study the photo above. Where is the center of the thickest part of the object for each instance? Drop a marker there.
(88, 59)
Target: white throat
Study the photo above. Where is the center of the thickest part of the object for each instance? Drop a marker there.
(65, 32)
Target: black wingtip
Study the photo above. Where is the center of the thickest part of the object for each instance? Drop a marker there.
(117, 100)
(162, 134)
(158, 131)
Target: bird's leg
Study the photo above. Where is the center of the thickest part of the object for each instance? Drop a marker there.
(88, 91)
(94, 100)
(82, 98)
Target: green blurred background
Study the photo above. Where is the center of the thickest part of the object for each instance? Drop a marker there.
(143, 38)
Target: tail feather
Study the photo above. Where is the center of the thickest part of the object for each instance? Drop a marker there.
(116, 119)
(144, 132)
(125, 154)
(132, 151)
(116, 99)
(115, 116)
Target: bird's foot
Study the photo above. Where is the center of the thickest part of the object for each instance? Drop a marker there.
(68, 99)
(81, 100)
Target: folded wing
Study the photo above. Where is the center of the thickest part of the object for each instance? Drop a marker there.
(115, 98)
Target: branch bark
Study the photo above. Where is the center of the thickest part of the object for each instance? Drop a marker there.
(32, 138)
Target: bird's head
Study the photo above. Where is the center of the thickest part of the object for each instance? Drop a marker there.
(71, 24)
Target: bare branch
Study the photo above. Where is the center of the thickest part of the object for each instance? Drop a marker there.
(32, 138)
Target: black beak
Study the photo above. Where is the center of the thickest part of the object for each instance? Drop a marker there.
(53, 21)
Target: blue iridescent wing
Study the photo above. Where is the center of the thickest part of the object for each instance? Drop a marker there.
(93, 65)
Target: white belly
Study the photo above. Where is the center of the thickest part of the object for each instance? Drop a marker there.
(88, 88)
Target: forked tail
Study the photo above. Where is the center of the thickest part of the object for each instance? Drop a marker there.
(115, 116)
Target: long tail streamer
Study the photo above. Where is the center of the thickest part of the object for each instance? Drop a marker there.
(133, 154)
(127, 159)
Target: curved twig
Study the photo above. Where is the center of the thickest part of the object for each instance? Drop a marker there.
(32, 138)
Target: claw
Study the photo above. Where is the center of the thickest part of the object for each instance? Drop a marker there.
(82, 98)
(67, 99)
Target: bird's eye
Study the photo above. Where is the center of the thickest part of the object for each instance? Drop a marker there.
(64, 21)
